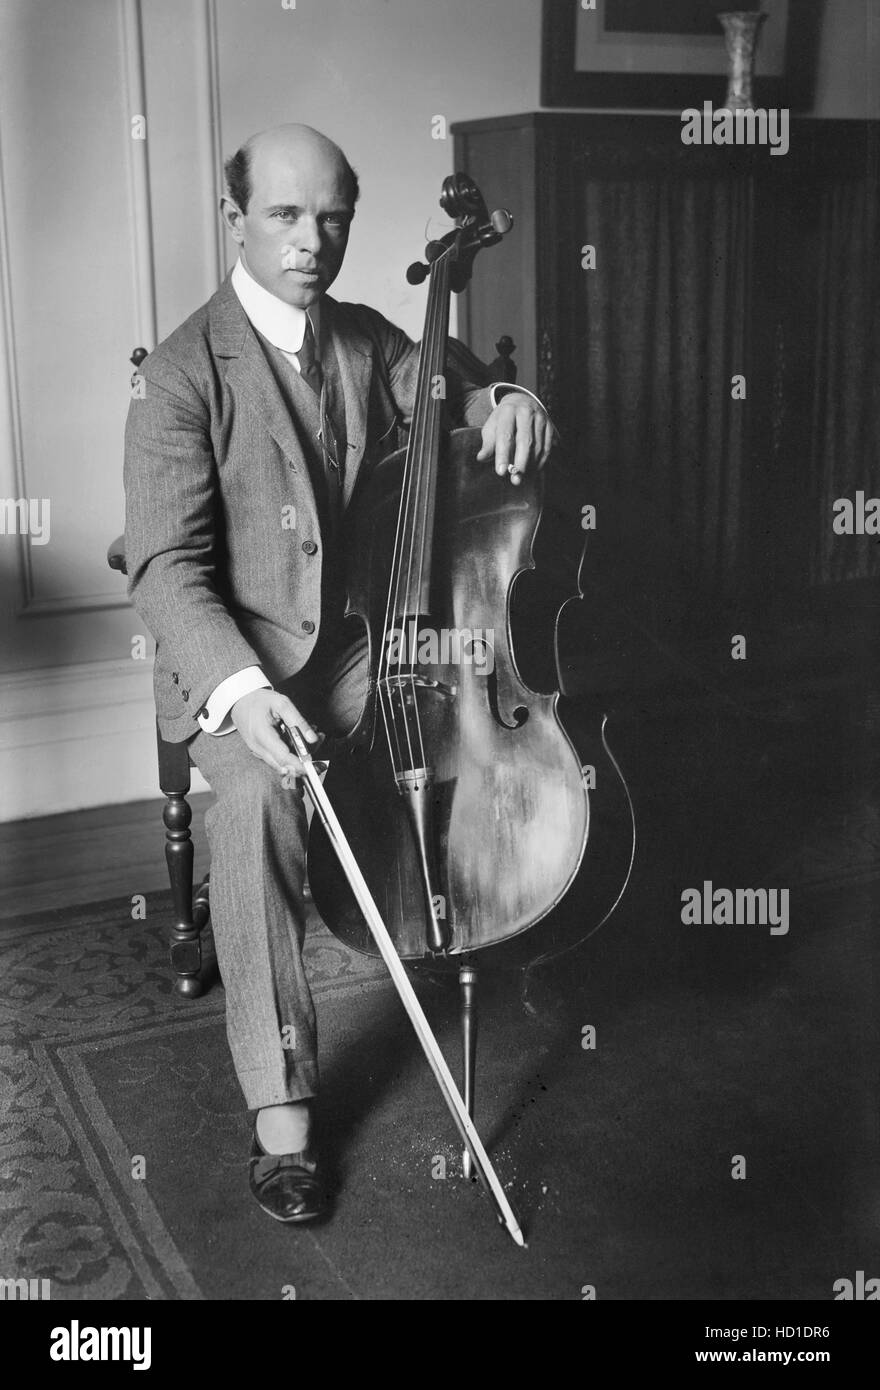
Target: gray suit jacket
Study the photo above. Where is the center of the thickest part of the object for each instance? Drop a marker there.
(212, 458)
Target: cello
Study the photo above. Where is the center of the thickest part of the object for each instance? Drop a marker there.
(475, 811)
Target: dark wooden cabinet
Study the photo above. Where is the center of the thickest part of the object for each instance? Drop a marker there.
(711, 263)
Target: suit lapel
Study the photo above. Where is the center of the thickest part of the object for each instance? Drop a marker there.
(354, 356)
(249, 372)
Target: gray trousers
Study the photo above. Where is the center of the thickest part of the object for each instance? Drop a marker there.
(257, 831)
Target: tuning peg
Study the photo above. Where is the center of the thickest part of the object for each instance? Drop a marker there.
(416, 273)
(499, 225)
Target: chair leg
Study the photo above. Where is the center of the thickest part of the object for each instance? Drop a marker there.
(186, 950)
(467, 980)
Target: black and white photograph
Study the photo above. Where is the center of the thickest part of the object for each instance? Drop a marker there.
(440, 669)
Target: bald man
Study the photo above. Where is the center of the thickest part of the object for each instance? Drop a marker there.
(256, 418)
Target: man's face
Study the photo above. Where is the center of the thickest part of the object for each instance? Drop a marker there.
(295, 231)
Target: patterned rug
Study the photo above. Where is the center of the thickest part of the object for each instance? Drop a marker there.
(91, 1034)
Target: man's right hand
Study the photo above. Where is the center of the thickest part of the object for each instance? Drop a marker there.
(256, 716)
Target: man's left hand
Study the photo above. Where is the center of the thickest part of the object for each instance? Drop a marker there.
(519, 434)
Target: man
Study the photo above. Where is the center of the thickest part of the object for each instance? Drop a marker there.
(256, 418)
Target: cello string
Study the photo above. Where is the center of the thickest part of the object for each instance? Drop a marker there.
(396, 569)
(386, 689)
(403, 593)
(439, 283)
(435, 409)
(410, 511)
(415, 452)
(414, 465)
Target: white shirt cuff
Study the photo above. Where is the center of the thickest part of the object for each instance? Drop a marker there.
(217, 718)
(504, 388)
(498, 389)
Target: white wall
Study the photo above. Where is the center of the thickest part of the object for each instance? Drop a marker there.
(104, 238)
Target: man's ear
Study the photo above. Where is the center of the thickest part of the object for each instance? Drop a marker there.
(233, 218)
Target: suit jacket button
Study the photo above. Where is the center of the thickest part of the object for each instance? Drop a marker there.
(309, 547)
(184, 694)
(175, 677)
(308, 626)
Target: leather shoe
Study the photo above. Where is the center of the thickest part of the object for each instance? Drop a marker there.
(289, 1187)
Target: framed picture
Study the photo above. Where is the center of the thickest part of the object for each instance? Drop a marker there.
(671, 53)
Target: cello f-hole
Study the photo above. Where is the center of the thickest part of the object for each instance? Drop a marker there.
(520, 712)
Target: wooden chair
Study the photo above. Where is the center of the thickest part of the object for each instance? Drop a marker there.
(191, 913)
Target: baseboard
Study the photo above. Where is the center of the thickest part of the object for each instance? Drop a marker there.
(77, 736)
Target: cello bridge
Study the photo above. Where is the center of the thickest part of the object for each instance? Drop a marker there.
(413, 779)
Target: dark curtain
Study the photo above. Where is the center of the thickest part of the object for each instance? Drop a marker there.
(845, 422)
(660, 331)
(716, 501)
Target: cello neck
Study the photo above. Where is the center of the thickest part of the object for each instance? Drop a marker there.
(411, 573)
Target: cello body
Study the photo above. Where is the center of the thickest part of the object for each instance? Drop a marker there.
(511, 814)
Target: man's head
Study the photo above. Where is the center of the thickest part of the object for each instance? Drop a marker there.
(290, 201)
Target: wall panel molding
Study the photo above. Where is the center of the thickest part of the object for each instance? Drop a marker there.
(213, 136)
(12, 394)
(77, 736)
(131, 54)
(135, 99)
(82, 603)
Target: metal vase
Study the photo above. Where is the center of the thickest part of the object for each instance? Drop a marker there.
(742, 29)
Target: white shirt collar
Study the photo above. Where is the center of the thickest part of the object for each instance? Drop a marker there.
(283, 324)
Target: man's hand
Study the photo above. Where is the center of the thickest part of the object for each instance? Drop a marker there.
(519, 434)
(256, 717)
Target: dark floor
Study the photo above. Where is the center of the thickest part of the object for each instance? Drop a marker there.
(90, 856)
(719, 1048)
